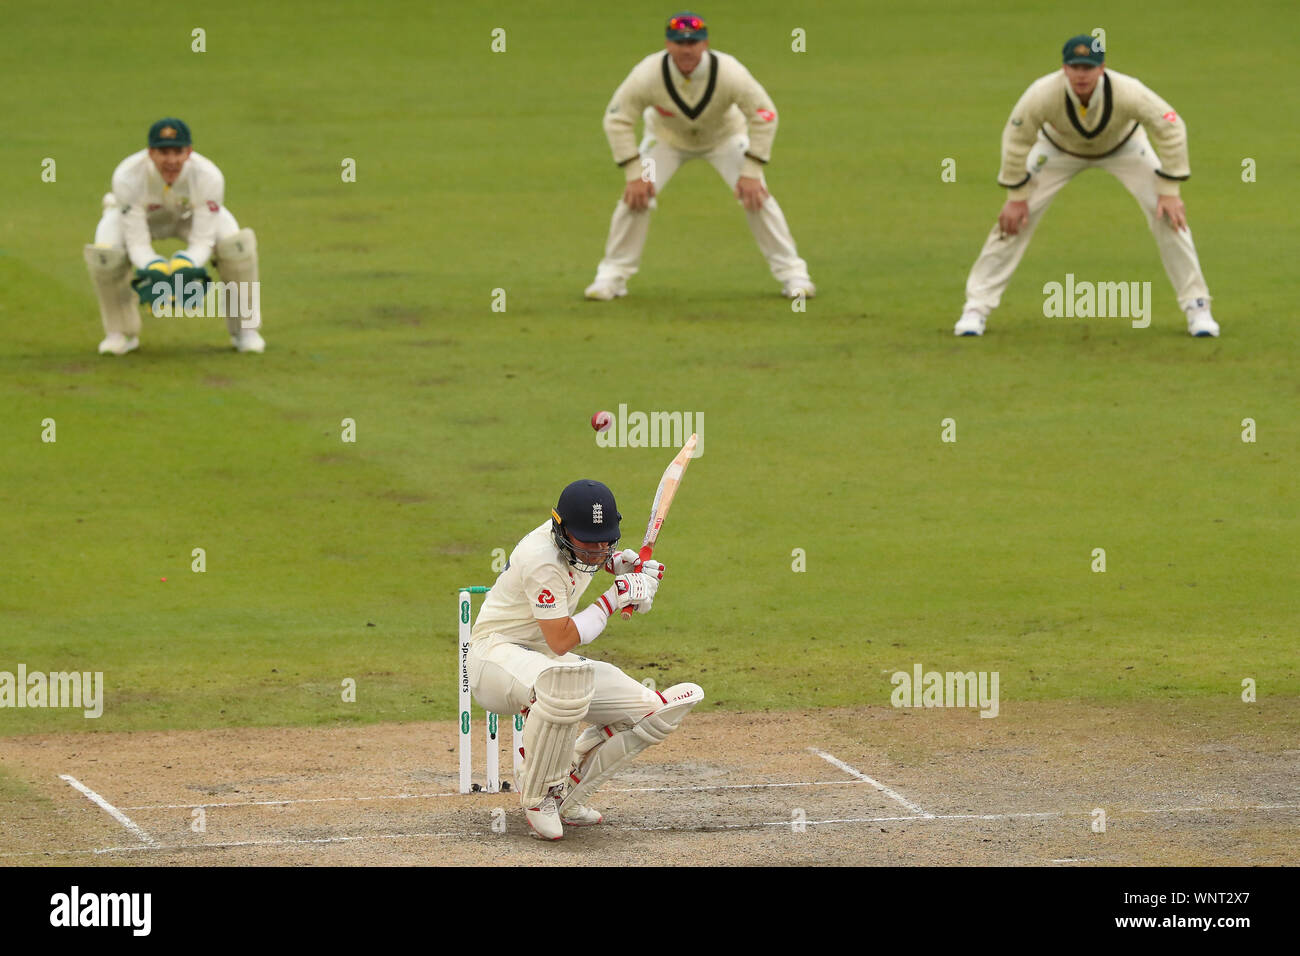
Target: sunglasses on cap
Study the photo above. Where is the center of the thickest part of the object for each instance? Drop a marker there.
(686, 23)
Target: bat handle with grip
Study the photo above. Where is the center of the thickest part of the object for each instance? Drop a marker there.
(644, 554)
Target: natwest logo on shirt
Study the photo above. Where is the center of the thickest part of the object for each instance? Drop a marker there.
(212, 206)
(545, 598)
(1171, 116)
(766, 115)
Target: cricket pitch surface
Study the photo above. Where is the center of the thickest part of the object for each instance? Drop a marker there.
(1161, 783)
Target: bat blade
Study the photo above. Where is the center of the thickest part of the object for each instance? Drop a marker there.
(663, 500)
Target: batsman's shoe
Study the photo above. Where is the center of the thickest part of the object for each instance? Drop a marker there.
(544, 819)
(1199, 321)
(796, 287)
(115, 343)
(970, 323)
(576, 815)
(248, 340)
(603, 290)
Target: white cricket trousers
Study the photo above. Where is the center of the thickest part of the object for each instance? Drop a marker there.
(502, 675)
(628, 228)
(1133, 164)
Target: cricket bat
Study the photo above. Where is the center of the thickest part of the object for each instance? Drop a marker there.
(663, 501)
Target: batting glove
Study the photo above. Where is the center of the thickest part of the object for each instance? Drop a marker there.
(628, 561)
(624, 562)
(630, 589)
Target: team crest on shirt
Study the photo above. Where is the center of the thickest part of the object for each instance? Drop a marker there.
(545, 598)
(1171, 116)
(766, 115)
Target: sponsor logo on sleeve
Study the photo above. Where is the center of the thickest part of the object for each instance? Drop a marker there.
(213, 207)
(545, 598)
(1171, 116)
(766, 115)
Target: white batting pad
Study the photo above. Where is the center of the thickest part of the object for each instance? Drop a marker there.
(620, 746)
(562, 696)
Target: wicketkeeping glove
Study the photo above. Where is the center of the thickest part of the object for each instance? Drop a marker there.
(178, 262)
(146, 278)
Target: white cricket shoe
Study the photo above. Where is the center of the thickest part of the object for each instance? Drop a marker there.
(544, 819)
(1199, 321)
(248, 340)
(576, 815)
(603, 290)
(970, 323)
(795, 287)
(115, 343)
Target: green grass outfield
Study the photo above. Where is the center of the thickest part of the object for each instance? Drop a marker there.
(479, 171)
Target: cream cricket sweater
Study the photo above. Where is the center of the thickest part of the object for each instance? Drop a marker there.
(719, 99)
(1117, 107)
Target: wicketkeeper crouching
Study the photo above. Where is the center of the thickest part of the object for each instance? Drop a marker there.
(521, 660)
(165, 191)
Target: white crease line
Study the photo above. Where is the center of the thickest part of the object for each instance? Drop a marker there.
(430, 796)
(893, 794)
(278, 803)
(911, 819)
(736, 786)
(930, 817)
(113, 811)
(1266, 806)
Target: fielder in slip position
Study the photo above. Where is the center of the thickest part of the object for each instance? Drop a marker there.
(521, 660)
(697, 104)
(166, 191)
(1086, 117)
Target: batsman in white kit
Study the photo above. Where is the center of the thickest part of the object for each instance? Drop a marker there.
(170, 191)
(1085, 116)
(521, 660)
(696, 104)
